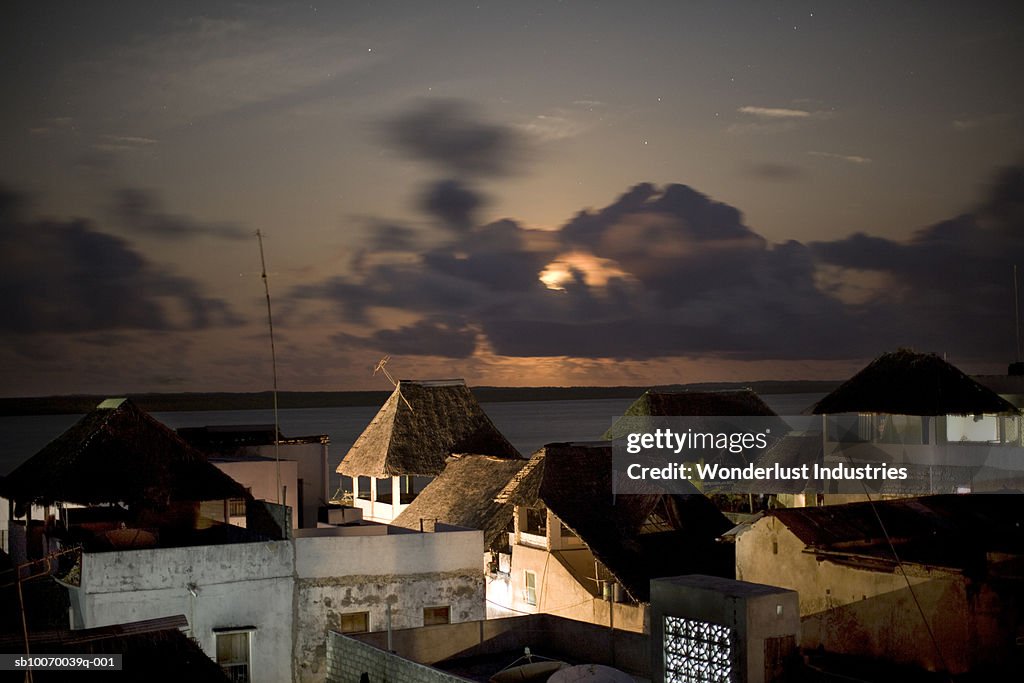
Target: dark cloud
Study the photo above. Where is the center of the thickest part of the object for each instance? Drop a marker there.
(950, 287)
(386, 236)
(451, 135)
(659, 272)
(433, 337)
(69, 277)
(663, 272)
(141, 212)
(452, 203)
(779, 172)
(494, 256)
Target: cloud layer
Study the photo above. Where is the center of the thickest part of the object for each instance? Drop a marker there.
(668, 271)
(69, 276)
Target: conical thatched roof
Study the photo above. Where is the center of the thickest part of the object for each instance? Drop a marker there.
(703, 404)
(118, 453)
(574, 480)
(464, 495)
(419, 426)
(907, 383)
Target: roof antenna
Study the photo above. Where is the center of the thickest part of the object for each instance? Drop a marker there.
(273, 365)
(381, 368)
(1016, 309)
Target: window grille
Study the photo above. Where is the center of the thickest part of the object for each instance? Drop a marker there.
(697, 651)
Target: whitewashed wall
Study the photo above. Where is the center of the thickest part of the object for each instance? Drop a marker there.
(243, 584)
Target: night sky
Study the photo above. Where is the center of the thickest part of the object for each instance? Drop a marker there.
(527, 193)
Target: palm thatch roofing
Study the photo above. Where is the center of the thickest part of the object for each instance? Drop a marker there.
(419, 426)
(637, 537)
(464, 495)
(118, 454)
(706, 404)
(904, 382)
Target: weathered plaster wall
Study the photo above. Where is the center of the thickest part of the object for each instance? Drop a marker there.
(853, 610)
(362, 575)
(246, 584)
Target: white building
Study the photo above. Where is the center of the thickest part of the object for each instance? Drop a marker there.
(263, 609)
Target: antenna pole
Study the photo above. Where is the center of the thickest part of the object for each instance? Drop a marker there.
(1016, 309)
(273, 365)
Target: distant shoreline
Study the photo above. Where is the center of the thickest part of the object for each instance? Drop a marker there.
(153, 402)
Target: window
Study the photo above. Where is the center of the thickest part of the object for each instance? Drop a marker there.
(355, 622)
(697, 651)
(436, 615)
(535, 522)
(530, 594)
(233, 654)
(236, 507)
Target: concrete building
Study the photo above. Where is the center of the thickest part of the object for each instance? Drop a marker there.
(263, 609)
(407, 443)
(577, 551)
(710, 629)
(707, 628)
(249, 454)
(950, 602)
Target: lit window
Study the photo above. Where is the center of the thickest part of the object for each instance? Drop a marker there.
(436, 615)
(530, 594)
(233, 652)
(355, 622)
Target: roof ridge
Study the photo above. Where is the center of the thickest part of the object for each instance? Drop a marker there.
(506, 493)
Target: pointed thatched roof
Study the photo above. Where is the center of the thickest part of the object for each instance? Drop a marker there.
(464, 495)
(574, 481)
(709, 404)
(118, 453)
(907, 383)
(419, 426)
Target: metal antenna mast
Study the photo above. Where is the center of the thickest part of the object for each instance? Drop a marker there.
(273, 365)
(1016, 309)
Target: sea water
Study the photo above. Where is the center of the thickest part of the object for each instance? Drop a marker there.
(527, 424)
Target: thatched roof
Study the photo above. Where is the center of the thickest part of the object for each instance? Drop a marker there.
(419, 426)
(464, 495)
(707, 404)
(907, 383)
(574, 480)
(118, 453)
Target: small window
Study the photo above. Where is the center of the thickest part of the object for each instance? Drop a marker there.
(236, 507)
(355, 622)
(530, 594)
(233, 655)
(436, 615)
